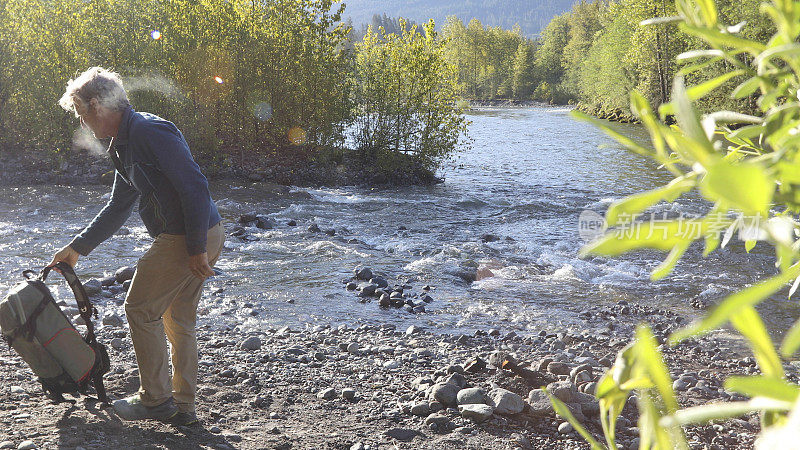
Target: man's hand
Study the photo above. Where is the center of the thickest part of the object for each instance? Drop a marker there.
(198, 264)
(67, 255)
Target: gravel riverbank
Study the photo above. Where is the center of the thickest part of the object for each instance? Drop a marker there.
(376, 387)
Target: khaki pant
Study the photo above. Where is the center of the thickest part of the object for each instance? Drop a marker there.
(163, 297)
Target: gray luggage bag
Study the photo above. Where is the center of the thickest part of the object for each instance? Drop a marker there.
(36, 328)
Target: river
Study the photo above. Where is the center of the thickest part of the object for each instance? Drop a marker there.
(525, 179)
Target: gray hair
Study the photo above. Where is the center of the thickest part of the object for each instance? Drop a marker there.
(98, 83)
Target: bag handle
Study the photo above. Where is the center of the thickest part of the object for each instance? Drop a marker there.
(84, 304)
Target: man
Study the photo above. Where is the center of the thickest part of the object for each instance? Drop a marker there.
(153, 164)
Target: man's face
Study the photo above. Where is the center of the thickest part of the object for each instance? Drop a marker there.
(90, 120)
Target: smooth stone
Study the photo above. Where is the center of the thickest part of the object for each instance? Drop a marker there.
(353, 348)
(413, 329)
(327, 394)
(348, 394)
(558, 368)
(251, 343)
(364, 274)
(421, 409)
(17, 390)
(563, 390)
(112, 320)
(391, 364)
(6, 444)
(506, 402)
(437, 419)
(313, 228)
(108, 281)
(476, 413)
(456, 379)
(471, 396)
(445, 393)
(117, 344)
(379, 281)
(565, 428)
(26, 445)
(540, 403)
(124, 274)
(93, 287)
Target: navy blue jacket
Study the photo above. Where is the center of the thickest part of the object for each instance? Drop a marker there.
(158, 169)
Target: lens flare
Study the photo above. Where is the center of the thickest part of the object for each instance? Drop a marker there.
(262, 111)
(219, 80)
(297, 136)
(155, 34)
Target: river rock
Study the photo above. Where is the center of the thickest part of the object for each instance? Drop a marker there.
(445, 393)
(471, 396)
(251, 343)
(368, 290)
(313, 228)
(562, 390)
(124, 273)
(327, 394)
(93, 287)
(6, 444)
(364, 273)
(558, 368)
(380, 282)
(117, 344)
(112, 320)
(476, 413)
(456, 379)
(540, 403)
(108, 281)
(421, 409)
(384, 300)
(477, 365)
(402, 434)
(353, 348)
(413, 329)
(26, 445)
(348, 393)
(247, 218)
(437, 419)
(506, 402)
(266, 223)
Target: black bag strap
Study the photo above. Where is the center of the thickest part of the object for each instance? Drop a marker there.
(84, 304)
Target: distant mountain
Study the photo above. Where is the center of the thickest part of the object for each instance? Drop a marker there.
(531, 15)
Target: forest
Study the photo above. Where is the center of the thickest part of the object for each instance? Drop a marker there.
(595, 55)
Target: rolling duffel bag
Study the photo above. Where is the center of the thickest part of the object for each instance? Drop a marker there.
(36, 328)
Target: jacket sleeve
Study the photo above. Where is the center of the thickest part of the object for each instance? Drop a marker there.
(172, 157)
(109, 219)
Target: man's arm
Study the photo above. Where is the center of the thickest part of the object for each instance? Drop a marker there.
(109, 219)
(174, 160)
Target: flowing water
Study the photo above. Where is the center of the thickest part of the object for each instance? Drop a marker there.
(526, 179)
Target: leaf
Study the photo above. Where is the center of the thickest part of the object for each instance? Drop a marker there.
(763, 386)
(785, 51)
(751, 296)
(694, 54)
(749, 323)
(661, 20)
(700, 91)
(668, 264)
(631, 206)
(747, 88)
(563, 411)
(637, 235)
(721, 411)
(647, 354)
(743, 186)
(718, 38)
(791, 341)
(689, 122)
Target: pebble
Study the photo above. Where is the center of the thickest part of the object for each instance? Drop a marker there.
(437, 419)
(6, 444)
(402, 434)
(348, 394)
(117, 344)
(353, 348)
(124, 274)
(445, 393)
(364, 274)
(26, 445)
(17, 390)
(413, 329)
(565, 428)
(391, 364)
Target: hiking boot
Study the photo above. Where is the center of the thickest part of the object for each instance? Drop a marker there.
(132, 408)
(185, 419)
